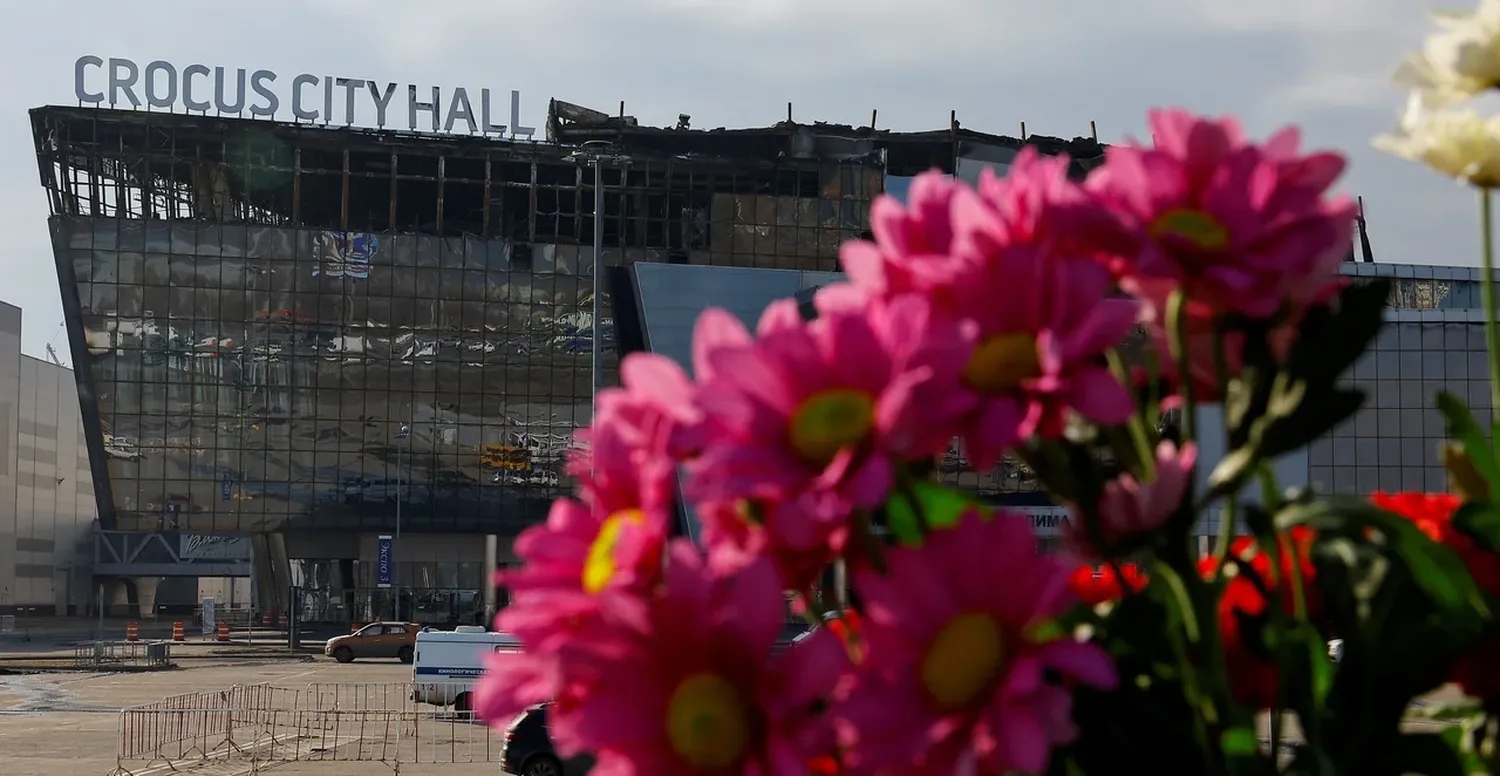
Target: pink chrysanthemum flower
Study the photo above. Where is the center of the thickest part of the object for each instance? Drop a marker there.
(703, 692)
(1129, 507)
(611, 539)
(961, 673)
(1036, 202)
(1038, 355)
(808, 421)
(1241, 228)
(914, 244)
(1202, 336)
(582, 552)
(591, 553)
(1041, 354)
(640, 433)
(557, 670)
(925, 246)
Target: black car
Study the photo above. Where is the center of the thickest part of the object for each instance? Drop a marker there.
(529, 752)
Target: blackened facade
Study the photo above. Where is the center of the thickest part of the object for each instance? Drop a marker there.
(283, 328)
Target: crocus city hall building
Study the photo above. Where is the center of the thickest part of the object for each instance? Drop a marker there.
(360, 354)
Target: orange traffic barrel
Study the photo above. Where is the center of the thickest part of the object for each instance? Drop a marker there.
(223, 634)
(354, 626)
(265, 619)
(281, 619)
(132, 632)
(178, 633)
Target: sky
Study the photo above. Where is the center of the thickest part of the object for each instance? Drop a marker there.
(1321, 64)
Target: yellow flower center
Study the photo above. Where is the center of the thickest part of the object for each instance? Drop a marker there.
(707, 722)
(599, 568)
(831, 420)
(963, 660)
(1194, 226)
(1002, 362)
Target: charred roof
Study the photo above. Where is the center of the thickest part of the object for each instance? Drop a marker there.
(904, 153)
(569, 126)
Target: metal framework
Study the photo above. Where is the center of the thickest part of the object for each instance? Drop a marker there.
(485, 252)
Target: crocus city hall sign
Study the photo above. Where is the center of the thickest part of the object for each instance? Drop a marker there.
(324, 99)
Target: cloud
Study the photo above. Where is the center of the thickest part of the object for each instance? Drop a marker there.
(1055, 66)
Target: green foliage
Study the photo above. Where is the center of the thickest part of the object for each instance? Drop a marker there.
(1274, 407)
(1196, 645)
(923, 506)
(1206, 642)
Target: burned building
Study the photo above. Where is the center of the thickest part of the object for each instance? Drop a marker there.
(317, 336)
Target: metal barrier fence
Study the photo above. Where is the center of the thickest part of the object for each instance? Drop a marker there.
(123, 654)
(263, 725)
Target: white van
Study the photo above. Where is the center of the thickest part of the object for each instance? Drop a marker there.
(448, 663)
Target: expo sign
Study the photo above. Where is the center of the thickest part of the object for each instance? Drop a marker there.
(384, 568)
(331, 100)
(1046, 521)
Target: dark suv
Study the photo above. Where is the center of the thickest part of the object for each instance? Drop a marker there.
(529, 752)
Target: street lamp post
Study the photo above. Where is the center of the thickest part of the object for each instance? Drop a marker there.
(595, 359)
(597, 152)
(401, 435)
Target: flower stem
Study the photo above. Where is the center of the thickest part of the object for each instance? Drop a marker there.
(1487, 292)
(1177, 342)
(1229, 514)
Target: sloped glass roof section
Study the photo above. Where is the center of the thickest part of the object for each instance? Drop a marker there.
(672, 295)
(669, 298)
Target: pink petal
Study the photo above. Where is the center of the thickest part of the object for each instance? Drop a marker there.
(752, 606)
(1086, 663)
(716, 330)
(1098, 396)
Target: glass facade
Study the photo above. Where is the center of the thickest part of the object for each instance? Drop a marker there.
(282, 328)
(260, 378)
(1392, 444)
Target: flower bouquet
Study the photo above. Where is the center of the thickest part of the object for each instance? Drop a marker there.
(941, 640)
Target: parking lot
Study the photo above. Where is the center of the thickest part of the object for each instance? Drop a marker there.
(305, 719)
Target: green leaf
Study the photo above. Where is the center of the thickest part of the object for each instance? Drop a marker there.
(1132, 449)
(941, 506)
(925, 506)
(1458, 738)
(902, 520)
(1481, 521)
(1319, 409)
(1320, 667)
(1232, 471)
(1463, 428)
(1425, 753)
(1050, 462)
(1257, 519)
(1435, 569)
(1329, 341)
(1239, 742)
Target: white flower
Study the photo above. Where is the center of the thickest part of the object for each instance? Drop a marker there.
(1459, 144)
(1459, 60)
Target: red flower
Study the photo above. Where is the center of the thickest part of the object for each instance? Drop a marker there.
(1432, 513)
(1095, 586)
(824, 765)
(846, 626)
(1478, 670)
(1243, 610)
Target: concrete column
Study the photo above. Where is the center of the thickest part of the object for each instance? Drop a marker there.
(116, 597)
(491, 561)
(272, 572)
(281, 570)
(145, 591)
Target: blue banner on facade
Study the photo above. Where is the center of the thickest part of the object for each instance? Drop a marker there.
(227, 485)
(383, 568)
